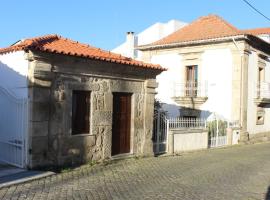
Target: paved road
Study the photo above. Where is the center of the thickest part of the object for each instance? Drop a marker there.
(241, 172)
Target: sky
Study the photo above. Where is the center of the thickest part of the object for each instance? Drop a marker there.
(104, 23)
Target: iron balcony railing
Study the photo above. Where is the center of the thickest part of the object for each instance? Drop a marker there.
(262, 90)
(182, 123)
(190, 89)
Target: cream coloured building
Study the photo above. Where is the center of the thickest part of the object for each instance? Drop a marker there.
(213, 67)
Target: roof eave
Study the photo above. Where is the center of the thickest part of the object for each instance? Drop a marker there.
(193, 42)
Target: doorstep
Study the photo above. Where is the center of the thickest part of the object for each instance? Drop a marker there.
(122, 156)
(10, 175)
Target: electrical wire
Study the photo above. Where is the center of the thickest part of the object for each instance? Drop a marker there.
(249, 4)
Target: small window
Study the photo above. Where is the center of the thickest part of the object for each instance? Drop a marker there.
(260, 116)
(80, 112)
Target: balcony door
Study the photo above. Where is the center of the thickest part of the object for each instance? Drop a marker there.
(191, 80)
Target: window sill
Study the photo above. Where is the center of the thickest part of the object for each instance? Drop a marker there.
(81, 135)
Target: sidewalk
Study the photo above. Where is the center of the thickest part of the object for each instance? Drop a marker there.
(10, 175)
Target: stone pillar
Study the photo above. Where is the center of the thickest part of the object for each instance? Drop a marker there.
(240, 89)
(244, 94)
(236, 84)
(170, 143)
(147, 144)
(40, 77)
(229, 136)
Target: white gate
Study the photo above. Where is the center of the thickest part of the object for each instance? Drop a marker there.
(13, 128)
(160, 132)
(217, 130)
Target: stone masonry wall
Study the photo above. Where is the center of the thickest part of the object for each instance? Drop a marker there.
(51, 87)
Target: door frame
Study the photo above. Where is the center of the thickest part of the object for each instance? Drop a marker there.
(131, 124)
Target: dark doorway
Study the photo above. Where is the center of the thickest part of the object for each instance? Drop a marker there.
(121, 123)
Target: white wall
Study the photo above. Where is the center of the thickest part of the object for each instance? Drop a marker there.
(265, 37)
(166, 79)
(252, 128)
(158, 31)
(150, 35)
(13, 73)
(189, 140)
(216, 69)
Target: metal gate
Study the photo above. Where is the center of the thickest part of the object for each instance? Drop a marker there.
(13, 128)
(160, 131)
(217, 130)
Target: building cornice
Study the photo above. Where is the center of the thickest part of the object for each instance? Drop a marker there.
(194, 42)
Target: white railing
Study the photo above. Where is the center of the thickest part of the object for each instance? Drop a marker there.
(190, 89)
(183, 123)
(218, 141)
(262, 90)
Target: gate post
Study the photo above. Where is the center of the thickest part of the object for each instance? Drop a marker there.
(170, 143)
(217, 142)
(167, 134)
(158, 131)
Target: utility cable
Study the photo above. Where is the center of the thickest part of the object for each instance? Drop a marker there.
(249, 4)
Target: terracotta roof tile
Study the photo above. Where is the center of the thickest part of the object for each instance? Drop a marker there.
(258, 31)
(59, 45)
(206, 27)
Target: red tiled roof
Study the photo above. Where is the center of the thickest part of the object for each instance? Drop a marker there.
(59, 45)
(206, 27)
(258, 31)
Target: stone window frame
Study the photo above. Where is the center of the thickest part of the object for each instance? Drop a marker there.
(68, 107)
(192, 59)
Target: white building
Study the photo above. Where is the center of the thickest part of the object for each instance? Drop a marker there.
(149, 35)
(213, 67)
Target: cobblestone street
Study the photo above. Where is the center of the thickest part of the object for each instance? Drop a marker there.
(241, 172)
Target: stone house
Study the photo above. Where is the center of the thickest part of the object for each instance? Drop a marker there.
(214, 67)
(80, 103)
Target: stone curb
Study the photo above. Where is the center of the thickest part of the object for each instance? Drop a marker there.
(27, 179)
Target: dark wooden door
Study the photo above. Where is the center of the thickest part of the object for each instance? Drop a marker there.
(121, 123)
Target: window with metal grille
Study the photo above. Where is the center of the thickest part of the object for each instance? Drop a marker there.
(80, 112)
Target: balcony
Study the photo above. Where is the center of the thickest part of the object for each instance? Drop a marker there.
(190, 94)
(262, 93)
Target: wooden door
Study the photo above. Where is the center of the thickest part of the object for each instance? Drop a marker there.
(121, 123)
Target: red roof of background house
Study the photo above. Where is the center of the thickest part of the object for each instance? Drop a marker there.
(206, 27)
(59, 45)
(258, 31)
